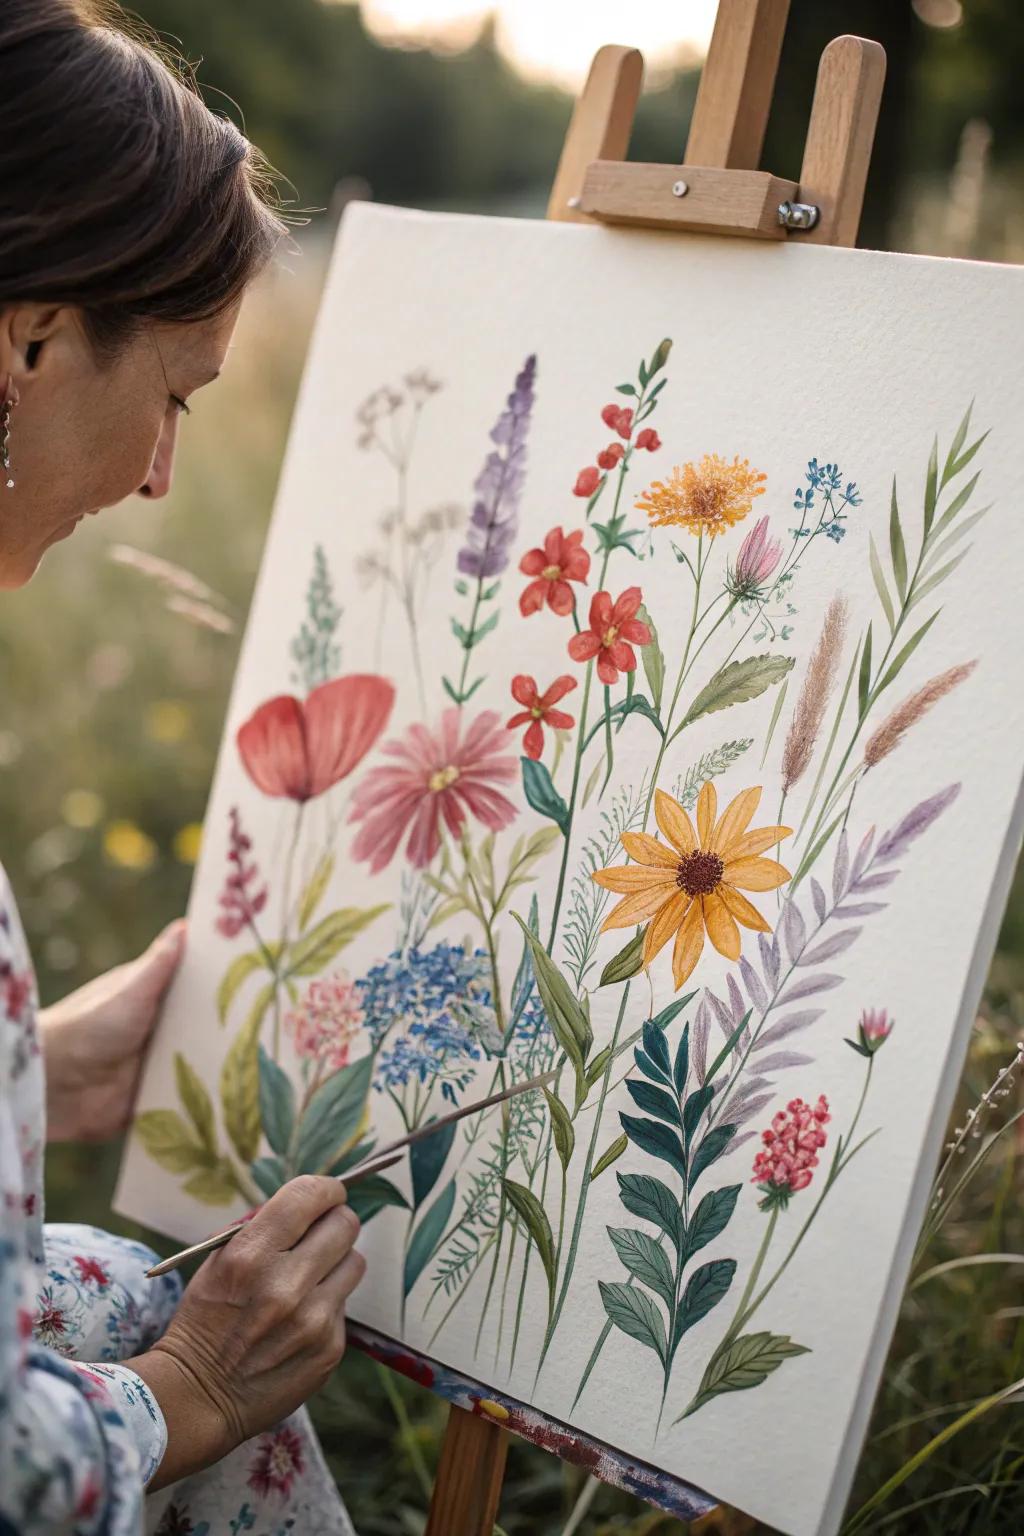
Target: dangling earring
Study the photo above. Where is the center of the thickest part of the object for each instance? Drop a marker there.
(11, 399)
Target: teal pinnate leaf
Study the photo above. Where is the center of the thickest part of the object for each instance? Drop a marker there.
(542, 795)
(632, 1310)
(427, 1236)
(646, 1261)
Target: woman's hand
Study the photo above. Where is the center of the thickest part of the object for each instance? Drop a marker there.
(260, 1328)
(94, 1038)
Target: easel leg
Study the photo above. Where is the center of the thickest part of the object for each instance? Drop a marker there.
(469, 1475)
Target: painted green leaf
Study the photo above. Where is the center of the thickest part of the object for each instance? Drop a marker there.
(316, 949)
(895, 667)
(352, 1156)
(780, 699)
(744, 1363)
(956, 506)
(681, 1065)
(237, 972)
(968, 454)
(711, 1217)
(542, 795)
(610, 1155)
(427, 1159)
(704, 1290)
(715, 1143)
(653, 659)
(651, 1200)
(694, 1107)
(313, 893)
(596, 1068)
(878, 577)
(427, 1236)
(864, 681)
(169, 1141)
(657, 1139)
(959, 438)
(657, 1048)
(936, 578)
(372, 1194)
(897, 548)
(931, 487)
(654, 1100)
(534, 1217)
(738, 682)
(333, 1116)
(268, 1174)
(628, 962)
(213, 1186)
(196, 1102)
(667, 1015)
(277, 1104)
(569, 1024)
(646, 1261)
(633, 1311)
(240, 1089)
(561, 1128)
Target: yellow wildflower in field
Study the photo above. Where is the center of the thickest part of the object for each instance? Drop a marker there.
(127, 845)
(187, 841)
(167, 720)
(708, 497)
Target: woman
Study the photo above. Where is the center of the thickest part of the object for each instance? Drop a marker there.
(131, 221)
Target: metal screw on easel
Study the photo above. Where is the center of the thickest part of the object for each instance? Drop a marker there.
(798, 215)
(680, 188)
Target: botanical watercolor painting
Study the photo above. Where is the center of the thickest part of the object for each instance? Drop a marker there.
(594, 721)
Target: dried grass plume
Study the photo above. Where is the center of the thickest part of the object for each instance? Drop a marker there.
(896, 724)
(818, 682)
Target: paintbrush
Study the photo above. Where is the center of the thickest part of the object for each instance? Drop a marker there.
(382, 1158)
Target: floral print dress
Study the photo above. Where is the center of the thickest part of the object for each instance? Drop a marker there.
(80, 1434)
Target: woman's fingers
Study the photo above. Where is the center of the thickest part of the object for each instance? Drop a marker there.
(339, 1283)
(293, 1209)
(324, 1246)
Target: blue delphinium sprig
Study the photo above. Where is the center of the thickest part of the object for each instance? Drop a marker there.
(827, 481)
(493, 523)
(432, 1001)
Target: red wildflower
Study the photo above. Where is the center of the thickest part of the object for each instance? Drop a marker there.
(240, 901)
(89, 1498)
(299, 748)
(791, 1147)
(563, 559)
(278, 1461)
(610, 456)
(49, 1324)
(648, 439)
(538, 711)
(436, 775)
(91, 1269)
(611, 628)
(587, 481)
(619, 418)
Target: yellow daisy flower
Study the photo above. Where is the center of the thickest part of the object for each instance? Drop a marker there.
(690, 883)
(708, 497)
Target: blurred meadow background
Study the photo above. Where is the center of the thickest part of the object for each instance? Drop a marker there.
(117, 677)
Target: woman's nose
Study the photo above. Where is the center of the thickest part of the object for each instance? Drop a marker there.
(161, 472)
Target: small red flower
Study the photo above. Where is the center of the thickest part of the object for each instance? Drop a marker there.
(619, 418)
(610, 456)
(791, 1148)
(91, 1269)
(587, 481)
(278, 1460)
(612, 626)
(563, 559)
(538, 711)
(648, 439)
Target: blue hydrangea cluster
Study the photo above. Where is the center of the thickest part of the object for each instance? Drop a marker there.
(826, 480)
(422, 999)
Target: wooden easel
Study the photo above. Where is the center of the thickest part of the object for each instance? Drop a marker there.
(716, 190)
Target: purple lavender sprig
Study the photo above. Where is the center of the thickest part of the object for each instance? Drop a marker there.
(494, 520)
(240, 903)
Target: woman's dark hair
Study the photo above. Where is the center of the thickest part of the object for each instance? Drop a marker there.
(120, 191)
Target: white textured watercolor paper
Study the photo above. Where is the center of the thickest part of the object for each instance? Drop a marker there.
(631, 683)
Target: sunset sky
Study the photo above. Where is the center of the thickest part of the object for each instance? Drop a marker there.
(552, 38)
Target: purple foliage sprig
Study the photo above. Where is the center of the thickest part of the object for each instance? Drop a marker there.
(788, 971)
(493, 521)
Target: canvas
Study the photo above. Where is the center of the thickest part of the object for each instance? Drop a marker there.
(629, 690)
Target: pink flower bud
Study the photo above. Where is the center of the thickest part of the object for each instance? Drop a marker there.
(649, 439)
(610, 456)
(624, 424)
